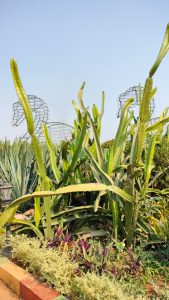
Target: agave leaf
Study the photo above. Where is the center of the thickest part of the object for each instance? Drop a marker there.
(115, 214)
(96, 116)
(144, 118)
(118, 191)
(28, 115)
(22, 96)
(157, 176)
(102, 106)
(45, 183)
(99, 172)
(35, 144)
(144, 226)
(37, 211)
(47, 205)
(79, 115)
(75, 106)
(8, 214)
(75, 209)
(157, 125)
(134, 145)
(97, 201)
(168, 134)
(163, 51)
(154, 242)
(88, 187)
(37, 208)
(152, 190)
(80, 97)
(97, 142)
(95, 113)
(38, 155)
(153, 92)
(51, 152)
(119, 139)
(30, 225)
(149, 154)
(78, 147)
(80, 217)
(165, 191)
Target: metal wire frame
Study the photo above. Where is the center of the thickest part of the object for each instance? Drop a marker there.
(132, 92)
(40, 114)
(58, 131)
(154, 120)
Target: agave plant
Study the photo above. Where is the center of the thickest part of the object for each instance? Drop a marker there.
(17, 166)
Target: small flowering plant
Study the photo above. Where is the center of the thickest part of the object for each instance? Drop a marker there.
(61, 240)
(100, 256)
(92, 255)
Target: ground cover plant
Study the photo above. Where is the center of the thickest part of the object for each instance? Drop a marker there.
(101, 206)
(125, 277)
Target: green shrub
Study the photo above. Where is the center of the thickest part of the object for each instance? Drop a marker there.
(50, 266)
(92, 287)
(59, 272)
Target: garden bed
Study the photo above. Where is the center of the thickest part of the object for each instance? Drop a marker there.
(71, 278)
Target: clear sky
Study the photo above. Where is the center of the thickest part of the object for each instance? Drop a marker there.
(59, 44)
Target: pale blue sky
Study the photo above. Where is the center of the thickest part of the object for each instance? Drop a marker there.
(59, 44)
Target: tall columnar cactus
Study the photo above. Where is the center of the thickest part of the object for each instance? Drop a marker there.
(35, 143)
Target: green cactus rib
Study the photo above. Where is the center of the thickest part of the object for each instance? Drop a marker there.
(163, 51)
(38, 156)
(22, 96)
(51, 153)
(77, 149)
(102, 105)
(120, 136)
(149, 154)
(35, 143)
(47, 201)
(8, 214)
(144, 117)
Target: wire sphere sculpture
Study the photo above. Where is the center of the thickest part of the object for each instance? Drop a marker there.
(132, 92)
(58, 131)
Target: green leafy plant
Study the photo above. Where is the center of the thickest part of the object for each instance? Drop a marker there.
(17, 166)
(133, 173)
(123, 179)
(44, 180)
